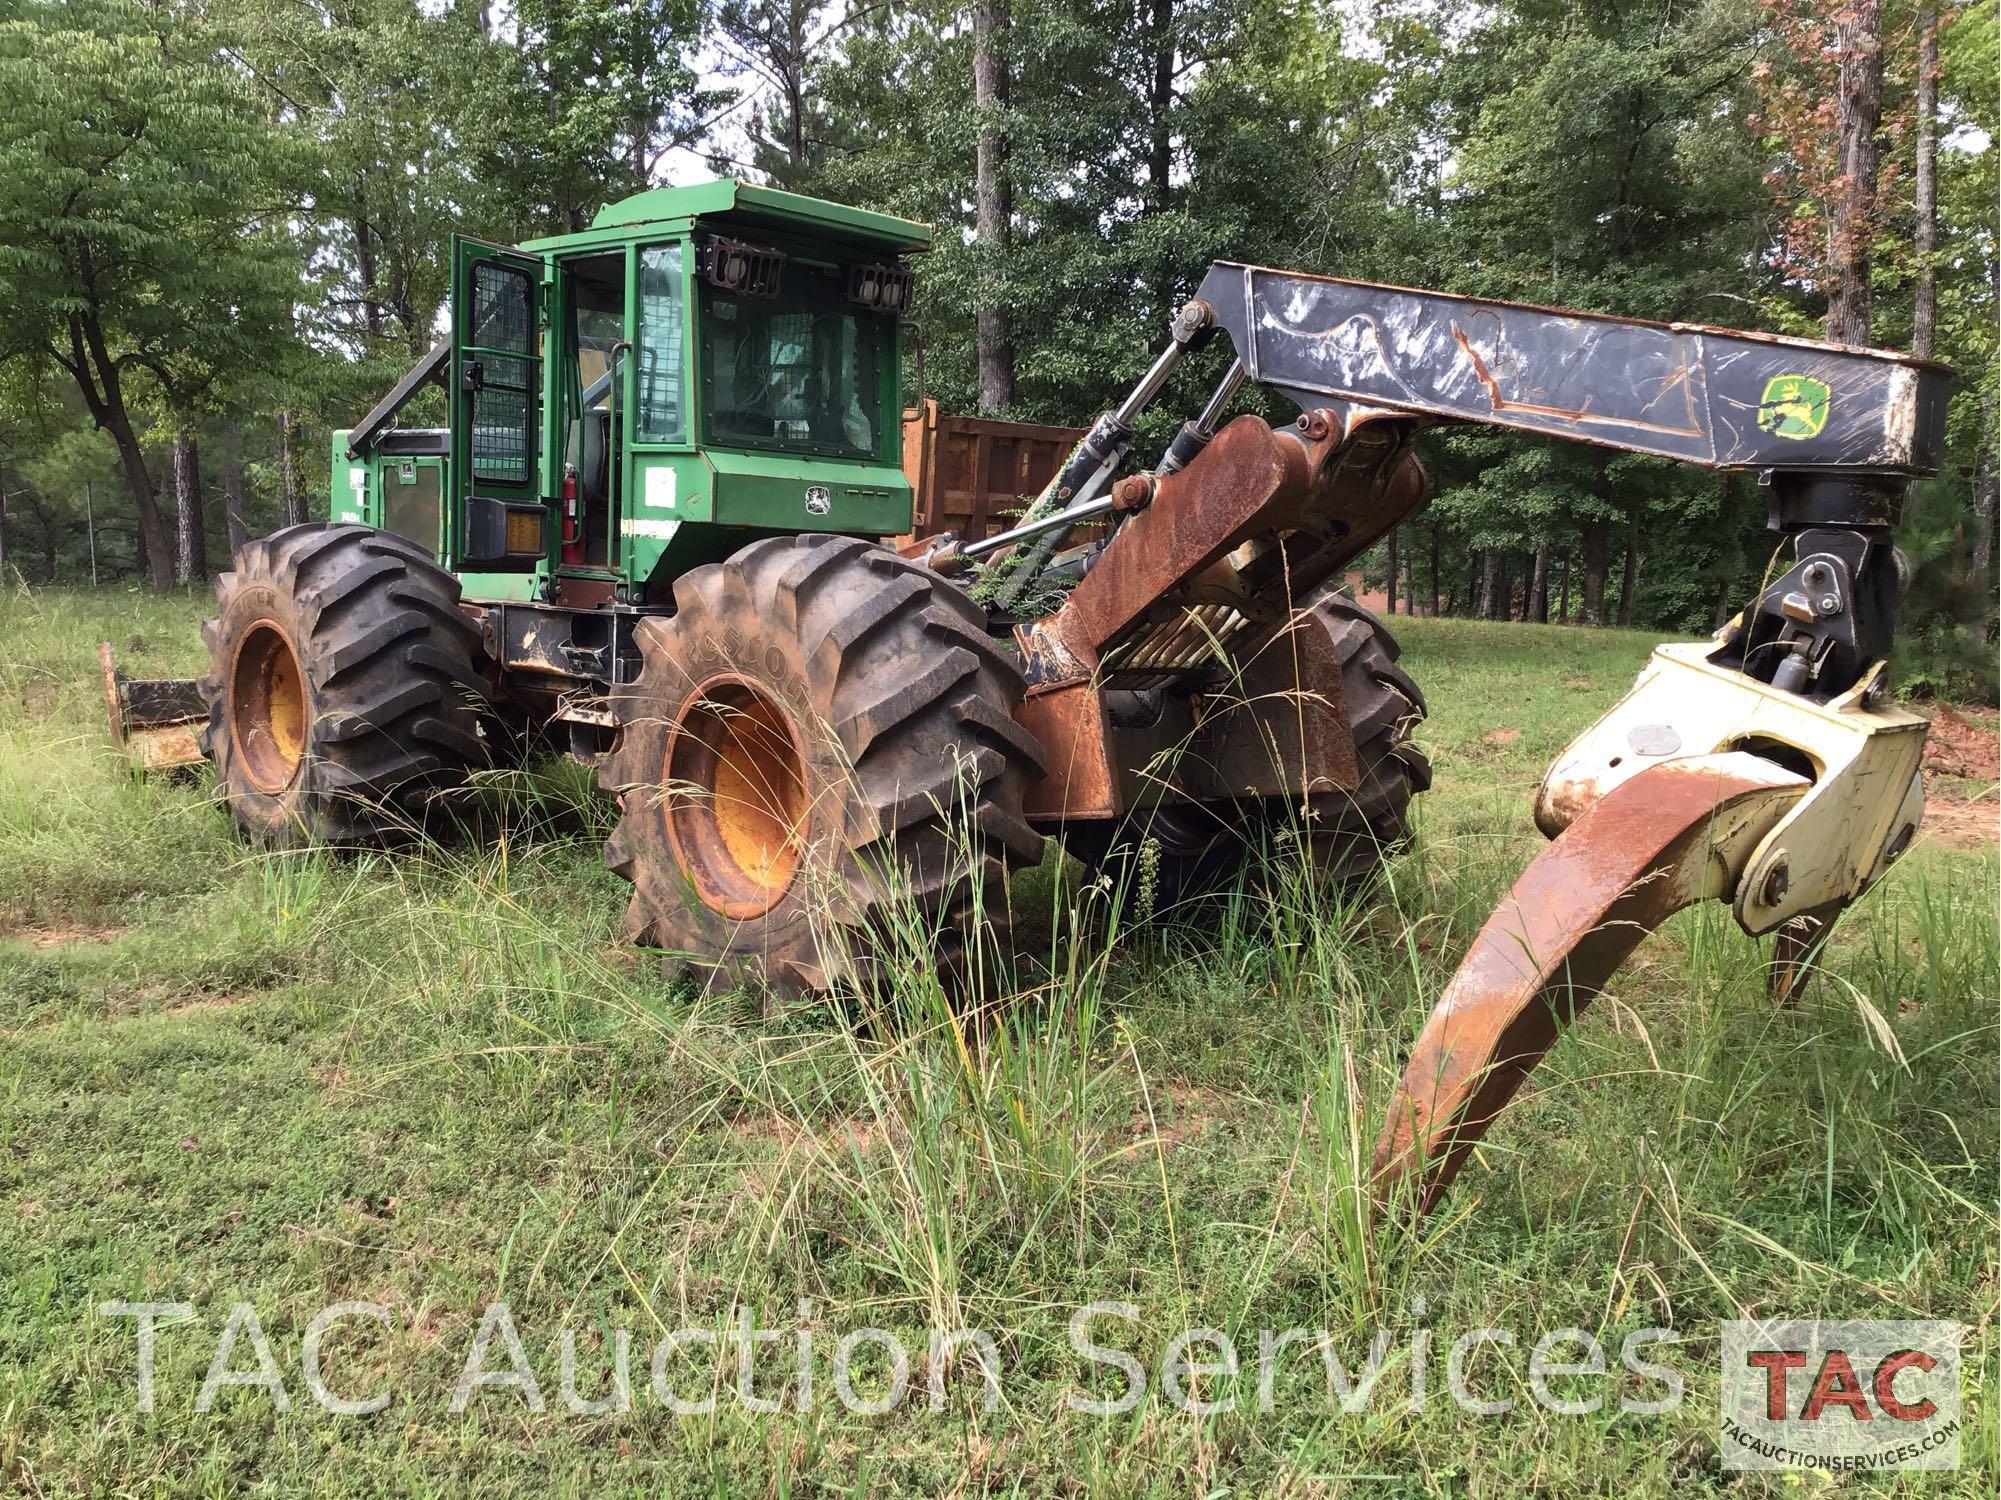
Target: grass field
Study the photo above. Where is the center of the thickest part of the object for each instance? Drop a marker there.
(439, 1081)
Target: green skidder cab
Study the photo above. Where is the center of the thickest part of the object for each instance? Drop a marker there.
(702, 366)
(648, 537)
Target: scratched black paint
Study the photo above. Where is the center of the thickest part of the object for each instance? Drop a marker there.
(1679, 390)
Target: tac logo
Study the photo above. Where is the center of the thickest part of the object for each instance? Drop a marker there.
(1794, 406)
(1840, 1396)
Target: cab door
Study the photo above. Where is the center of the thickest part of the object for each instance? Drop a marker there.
(500, 520)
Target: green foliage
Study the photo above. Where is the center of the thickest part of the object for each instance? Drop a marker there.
(279, 235)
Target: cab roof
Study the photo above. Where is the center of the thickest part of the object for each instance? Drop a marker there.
(750, 206)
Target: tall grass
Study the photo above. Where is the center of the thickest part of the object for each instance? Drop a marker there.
(439, 1077)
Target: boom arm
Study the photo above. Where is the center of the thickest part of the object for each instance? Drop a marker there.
(1766, 770)
(1711, 396)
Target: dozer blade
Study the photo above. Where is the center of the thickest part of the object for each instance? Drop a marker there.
(1674, 834)
(155, 721)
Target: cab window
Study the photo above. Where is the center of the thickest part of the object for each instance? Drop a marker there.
(662, 406)
(596, 330)
(800, 371)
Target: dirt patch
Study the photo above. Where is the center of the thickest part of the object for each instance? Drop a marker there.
(851, 1133)
(1957, 745)
(1501, 736)
(1962, 769)
(214, 1002)
(1181, 1112)
(1961, 825)
(66, 934)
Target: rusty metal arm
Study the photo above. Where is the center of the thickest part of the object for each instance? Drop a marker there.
(1701, 783)
(1677, 833)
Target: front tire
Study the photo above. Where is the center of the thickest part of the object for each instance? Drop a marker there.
(821, 743)
(343, 689)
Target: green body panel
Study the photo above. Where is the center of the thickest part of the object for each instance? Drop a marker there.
(502, 586)
(767, 206)
(403, 493)
(674, 501)
(357, 493)
(770, 491)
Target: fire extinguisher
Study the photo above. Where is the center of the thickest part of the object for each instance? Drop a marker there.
(573, 541)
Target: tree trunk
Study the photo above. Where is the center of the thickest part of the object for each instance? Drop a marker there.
(1924, 291)
(1434, 570)
(153, 552)
(1722, 605)
(993, 221)
(1391, 585)
(364, 262)
(1986, 488)
(1858, 40)
(52, 532)
(794, 70)
(289, 490)
(1629, 582)
(1539, 586)
(101, 385)
(191, 561)
(232, 489)
(1597, 549)
(1160, 144)
(1483, 598)
(1496, 589)
(641, 127)
(1563, 602)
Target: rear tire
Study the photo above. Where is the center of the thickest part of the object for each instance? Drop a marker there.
(821, 730)
(343, 688)
(1350, 835)
(1200, 848)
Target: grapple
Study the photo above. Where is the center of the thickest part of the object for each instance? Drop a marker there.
(1703, 783)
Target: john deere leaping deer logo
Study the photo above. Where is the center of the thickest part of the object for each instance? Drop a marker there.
(1794, 406)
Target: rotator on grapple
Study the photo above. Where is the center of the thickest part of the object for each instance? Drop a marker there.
(652, 533)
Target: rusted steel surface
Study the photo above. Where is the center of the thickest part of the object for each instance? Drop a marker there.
(1277, 728)
(1209, 571)
(1197, 515)
(1670, 836)
(1714, 396)
(1081, 776)
(1795, 950)
(971, 473)
(1282, 725)
(157, 722)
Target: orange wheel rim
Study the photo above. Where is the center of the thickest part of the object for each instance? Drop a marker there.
(736, 797)
(267, 707)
